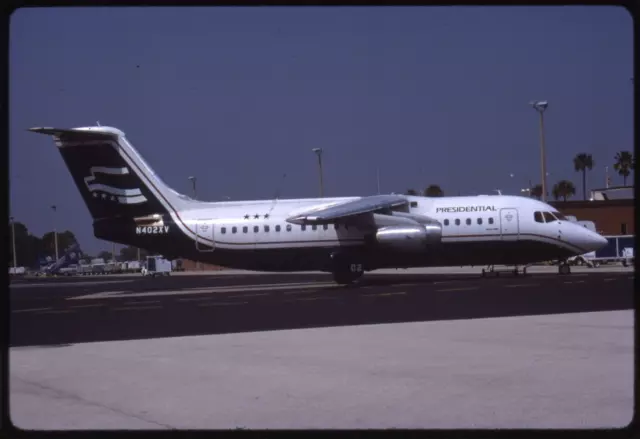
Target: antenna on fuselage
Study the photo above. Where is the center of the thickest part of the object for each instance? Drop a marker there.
(98, 123)
(277, 195)
(279, 187)
(498, 191)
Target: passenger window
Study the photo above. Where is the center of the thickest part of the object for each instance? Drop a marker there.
(325, 226)
(266, 228)
(314, 227)
(446, 222)
(234, 229)
(288, 227)
(479, 221)
(278, 228)
(537, 216)
(223, 230)
(303, 227)
(245, 229)
(256, 229)
(548, 217)
(468, 221)
(457, 222)
(414, 204)
(490, 220)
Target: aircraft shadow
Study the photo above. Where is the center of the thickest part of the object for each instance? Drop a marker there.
(339, 308)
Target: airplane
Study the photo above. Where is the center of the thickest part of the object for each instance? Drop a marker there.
(344, 236)
(70, 256)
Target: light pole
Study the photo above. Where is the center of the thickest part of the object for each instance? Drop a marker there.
(540, 107)
(319, 152)
(13, 237)
(55, 232)
(193, 185)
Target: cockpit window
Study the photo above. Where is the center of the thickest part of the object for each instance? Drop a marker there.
(560, 216)
(537, 216)
(548, 217)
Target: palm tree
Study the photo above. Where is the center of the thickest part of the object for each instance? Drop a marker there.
(583, 162)
(625, 163)
(536, 191)
(563, 189)
(411, 192)
(433, 191)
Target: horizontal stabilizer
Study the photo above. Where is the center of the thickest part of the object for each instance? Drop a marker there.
(86, 133)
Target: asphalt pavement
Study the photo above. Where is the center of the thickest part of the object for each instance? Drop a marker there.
(76, 310)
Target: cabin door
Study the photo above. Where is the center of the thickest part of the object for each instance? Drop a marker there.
(509, 229)
(204, 235)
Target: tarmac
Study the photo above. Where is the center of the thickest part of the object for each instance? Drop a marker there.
(445, 349)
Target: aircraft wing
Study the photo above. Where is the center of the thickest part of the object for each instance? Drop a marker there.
(353, 208)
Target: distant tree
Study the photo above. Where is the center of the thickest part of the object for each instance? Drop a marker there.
(65, 240)
(433, 191)
(411, 192)
(625, 163)
(131, 253)
(536, 191)
(28, 246)
(105, 255)
(581, 163)
(563, 189)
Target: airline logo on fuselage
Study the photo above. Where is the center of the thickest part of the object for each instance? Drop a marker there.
(457, 209)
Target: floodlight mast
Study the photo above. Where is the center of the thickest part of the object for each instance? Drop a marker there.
(540, 107)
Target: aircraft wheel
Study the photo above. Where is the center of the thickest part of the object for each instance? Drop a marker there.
(346, 269)
(564, 268)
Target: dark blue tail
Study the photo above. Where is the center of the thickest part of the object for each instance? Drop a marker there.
(71, 256)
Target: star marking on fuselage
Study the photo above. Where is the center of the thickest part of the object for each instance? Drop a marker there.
(246, 216)
(256, 216)
(266, 215)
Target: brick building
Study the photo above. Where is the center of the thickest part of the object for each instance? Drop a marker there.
(612, 217)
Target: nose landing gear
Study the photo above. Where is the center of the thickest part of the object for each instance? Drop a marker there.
(564, 267)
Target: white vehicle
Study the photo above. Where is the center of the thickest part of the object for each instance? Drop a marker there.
(17, 271)
(627, 256)
(156, 266)
(587, 259)
(346, 236)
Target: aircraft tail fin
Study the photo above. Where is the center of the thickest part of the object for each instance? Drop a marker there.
(113, 179)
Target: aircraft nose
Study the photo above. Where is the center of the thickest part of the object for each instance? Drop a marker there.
(595, 241)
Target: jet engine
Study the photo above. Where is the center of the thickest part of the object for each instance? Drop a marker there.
(410, 237)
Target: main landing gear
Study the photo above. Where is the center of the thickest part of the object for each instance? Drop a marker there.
(346, 269)
(493, 271)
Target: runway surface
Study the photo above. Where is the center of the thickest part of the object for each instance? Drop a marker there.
(76, 310)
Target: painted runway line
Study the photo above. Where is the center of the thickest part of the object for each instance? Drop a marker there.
(210, 290)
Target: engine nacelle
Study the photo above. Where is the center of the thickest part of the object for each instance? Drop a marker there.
(411, 237)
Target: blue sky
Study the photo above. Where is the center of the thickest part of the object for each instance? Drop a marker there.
(240, 96)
